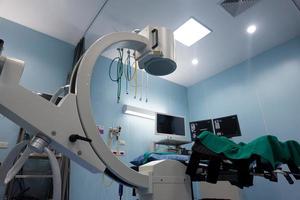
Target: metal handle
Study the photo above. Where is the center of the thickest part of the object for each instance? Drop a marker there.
(1, 45)
(155, 37)
(74, 138)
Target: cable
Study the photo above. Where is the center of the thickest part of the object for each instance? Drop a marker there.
(147, 84)
(142, 85)
(18, 165)
(128, 72)
(93, 20)
(129, 76)
(120, 191)
(135, 74)
(119, 75)
(56, 174)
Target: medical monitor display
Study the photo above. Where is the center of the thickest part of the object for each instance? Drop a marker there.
(198, 127)
(166, 124)
(227, 126)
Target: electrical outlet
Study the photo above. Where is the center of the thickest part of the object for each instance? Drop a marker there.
(118, 153)
(3, 145)
(100, 129)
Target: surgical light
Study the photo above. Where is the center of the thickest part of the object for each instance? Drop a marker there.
(251, 29)
(195, 61)
(190, 32)
(140, 112)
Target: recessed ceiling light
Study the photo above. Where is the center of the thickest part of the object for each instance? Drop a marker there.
(251, 29)
(190, 32)
(195, 61)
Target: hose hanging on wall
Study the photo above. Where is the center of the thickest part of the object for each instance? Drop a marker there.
(128, 70)
(128, 75)
(147, 87)
(142, 85)
(136, 65)
(118, 79)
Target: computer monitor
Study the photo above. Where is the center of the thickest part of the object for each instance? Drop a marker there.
(171, 126)
(198, 127)
(227, 126)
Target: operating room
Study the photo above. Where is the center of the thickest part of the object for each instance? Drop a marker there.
(150, 100)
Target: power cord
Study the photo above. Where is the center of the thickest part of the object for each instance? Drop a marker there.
(121, 187)
(118, 79)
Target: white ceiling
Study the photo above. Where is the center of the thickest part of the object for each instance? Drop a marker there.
(63, 19)
(277, 21)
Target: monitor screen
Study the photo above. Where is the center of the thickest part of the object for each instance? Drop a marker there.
(198, 127)
(166, 124)
(227, 126)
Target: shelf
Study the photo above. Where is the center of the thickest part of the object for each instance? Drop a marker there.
(172, 142)
(42, 155)
(32, 176)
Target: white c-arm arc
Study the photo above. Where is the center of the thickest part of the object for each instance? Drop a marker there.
(114, 166)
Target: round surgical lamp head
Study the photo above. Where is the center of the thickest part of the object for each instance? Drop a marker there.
(159, 66)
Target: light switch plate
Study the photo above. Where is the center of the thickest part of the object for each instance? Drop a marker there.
(3, 145)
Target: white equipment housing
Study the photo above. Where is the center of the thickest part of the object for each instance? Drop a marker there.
(168, 181)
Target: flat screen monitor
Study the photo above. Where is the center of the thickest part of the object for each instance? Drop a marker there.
(198, 127)
(227, 126)
(170, 125)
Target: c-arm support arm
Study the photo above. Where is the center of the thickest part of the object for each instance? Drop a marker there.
(58, 122)
(72, 116)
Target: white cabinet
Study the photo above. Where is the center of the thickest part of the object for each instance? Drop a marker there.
(221, 190)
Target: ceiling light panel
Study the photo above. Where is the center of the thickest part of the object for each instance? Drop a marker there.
(190, 32)
(251, 29)
(195, 61)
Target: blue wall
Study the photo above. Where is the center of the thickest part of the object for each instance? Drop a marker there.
(47, 63)
(164, 96)
(264, 93)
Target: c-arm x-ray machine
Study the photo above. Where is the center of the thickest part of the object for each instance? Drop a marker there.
(69, 127)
